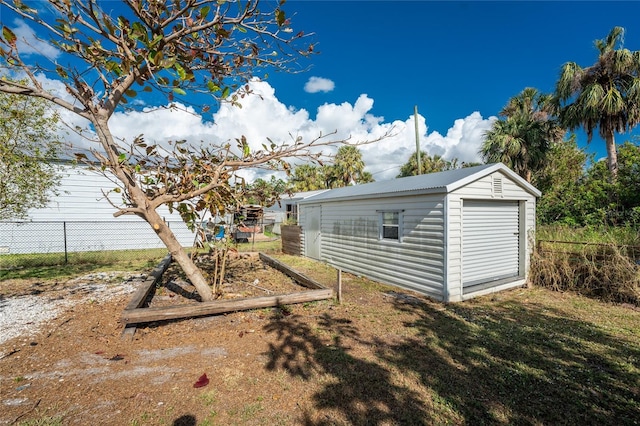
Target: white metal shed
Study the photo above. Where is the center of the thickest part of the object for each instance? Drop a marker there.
(451, 235)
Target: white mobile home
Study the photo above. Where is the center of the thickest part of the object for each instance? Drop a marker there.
(80, 218)
(451, 235)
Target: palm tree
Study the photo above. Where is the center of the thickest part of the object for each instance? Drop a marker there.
(348, 167)
(605, 95)
(522, 137)
(307, 177)
(429, 164)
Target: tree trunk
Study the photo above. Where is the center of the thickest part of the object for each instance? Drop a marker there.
(612, 156)
(139, 199)
(193, 273)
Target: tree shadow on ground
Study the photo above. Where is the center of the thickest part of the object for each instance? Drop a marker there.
(471, 363)
(507, 362)
(361, 389)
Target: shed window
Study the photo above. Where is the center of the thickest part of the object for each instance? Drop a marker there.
(390, 228)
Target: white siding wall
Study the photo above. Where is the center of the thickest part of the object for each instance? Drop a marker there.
(80, 199)
(350, 241)
(81, 204)
(484, 189)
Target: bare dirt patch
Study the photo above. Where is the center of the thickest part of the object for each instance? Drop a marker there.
(70, 365)
(383, 356)
(246, 276)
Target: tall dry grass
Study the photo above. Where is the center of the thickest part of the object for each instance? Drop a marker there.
(608, 272)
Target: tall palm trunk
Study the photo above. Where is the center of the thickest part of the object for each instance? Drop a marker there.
(612, 155)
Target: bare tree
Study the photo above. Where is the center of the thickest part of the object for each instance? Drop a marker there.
(175, 48)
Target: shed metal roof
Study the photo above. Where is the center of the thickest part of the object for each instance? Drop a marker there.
(441, 182)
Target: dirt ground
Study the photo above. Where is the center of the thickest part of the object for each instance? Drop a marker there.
(251, 367)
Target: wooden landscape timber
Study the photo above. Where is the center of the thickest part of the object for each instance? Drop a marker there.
(145, 289)
(301, 279)
(134, 313)
(143, 292)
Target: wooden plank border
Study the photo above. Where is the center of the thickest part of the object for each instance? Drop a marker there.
(134, 313)
(141, 315)
(145, 289)
(297, 276)
(143, 293)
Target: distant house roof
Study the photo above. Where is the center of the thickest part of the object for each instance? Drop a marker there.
(442, 182)
(295, 197)
(304, 195)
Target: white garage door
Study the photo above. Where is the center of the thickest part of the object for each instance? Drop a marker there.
(490, 242)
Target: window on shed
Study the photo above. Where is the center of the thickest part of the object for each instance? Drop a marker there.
(390, 228)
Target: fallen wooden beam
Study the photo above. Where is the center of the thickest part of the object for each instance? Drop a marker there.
(143, 292)
(145, 289)
(301, 279)
(141, 315)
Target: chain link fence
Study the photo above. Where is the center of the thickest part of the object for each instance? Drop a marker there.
(28, 244)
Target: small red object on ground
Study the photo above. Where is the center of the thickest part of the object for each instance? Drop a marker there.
(202, 381)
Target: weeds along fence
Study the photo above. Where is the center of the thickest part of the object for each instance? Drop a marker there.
(28, 244)
(605, 271)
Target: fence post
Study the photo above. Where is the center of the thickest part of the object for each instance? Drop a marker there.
(339, 285)
(64, 227)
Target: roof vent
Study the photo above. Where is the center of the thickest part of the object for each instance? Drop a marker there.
(497, 186)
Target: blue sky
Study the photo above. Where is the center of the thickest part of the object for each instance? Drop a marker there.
(450, 58)
(459, 62)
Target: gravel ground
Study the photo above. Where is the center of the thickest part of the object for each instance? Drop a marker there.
(25, 315)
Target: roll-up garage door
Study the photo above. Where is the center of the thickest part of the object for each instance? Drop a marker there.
(490, 242)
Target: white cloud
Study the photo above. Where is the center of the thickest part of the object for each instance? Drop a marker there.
(463, 140)
(263, 116)
(29, 44)
(319, 84)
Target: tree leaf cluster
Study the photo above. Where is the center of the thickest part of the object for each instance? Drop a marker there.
(577, 191)
(603, 96)
(430, 164)
(29, 149)
(177, 47)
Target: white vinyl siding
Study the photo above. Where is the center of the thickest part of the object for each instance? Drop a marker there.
(351, 241)
(90, 224)
(81, 198)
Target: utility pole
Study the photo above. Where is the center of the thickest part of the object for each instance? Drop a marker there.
(415, 121)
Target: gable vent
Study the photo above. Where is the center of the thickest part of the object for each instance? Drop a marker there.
(497, 186)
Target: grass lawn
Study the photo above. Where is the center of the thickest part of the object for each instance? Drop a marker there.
(526, 356)
(384, 356)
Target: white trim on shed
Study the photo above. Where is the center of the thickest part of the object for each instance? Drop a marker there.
(451, 235)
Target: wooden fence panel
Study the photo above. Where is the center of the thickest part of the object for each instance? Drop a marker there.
(291, 239)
